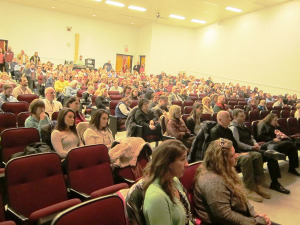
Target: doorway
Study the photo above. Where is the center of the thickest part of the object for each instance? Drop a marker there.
(123, 63)
(3, 44)
(142, 63)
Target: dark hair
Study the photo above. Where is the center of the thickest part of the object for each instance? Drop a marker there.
(125, 89)
(235, 112)
(268, 119)
(21, 78)
(61, 125)
(96, 117)
(71, 100)
(162, 157)
(142, 102)
(193, 113)
(35, 104)
(7, 86)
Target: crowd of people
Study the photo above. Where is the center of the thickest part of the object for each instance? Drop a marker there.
(219, 196)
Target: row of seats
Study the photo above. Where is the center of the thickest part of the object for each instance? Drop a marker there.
(89, 176)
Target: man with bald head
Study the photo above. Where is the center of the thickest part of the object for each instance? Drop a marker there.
(51, 105)
(250, 163)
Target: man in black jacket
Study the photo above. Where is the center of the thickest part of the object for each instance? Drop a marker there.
(247, 143)
(251, 164)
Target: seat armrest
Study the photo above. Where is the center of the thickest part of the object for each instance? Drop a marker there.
(113, 124)
(16, 215)
(79, 195)
(109, 190)
(166, 137)
(139, 129)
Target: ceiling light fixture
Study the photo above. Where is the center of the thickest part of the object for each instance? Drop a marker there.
(233, 9)
(94, 15)
(52, 7)
(198, 21)
(177, 17)
(137, 8)
(97, 0)
(115, 3)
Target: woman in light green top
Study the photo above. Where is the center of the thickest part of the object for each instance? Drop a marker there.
(165, 202)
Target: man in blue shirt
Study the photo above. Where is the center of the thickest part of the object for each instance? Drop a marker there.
(6, 96)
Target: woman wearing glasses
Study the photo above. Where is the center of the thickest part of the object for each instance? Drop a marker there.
(219, 195)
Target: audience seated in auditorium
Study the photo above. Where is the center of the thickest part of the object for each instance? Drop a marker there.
(165, 201)
(6, 96)
(126, 91)
(51, 105)
(134, 94)
(38, 118)
(5, 78)
(193, 122)
(174, 95)
(98, 132)
(184, 95)
(60, 85)
(22, 88)
(262, 106)
(144, 118)
(279, 102)
(269, 98)
(214, 99)
(297, 113)
(268, 130)
(153, 98)
(72, 89)
(160, 109)
(122, 110)
(207, 108)
(250, 163)
(103, 99)
(115, 86)
(176, 127)
(253, 104)
(220, 104)
(64, 137)
(247, 143)
(86, 99)
(74, 104)
(219, 195)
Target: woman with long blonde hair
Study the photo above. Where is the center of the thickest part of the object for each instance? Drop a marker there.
(219, 195)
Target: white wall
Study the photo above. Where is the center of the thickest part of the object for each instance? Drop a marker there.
(34, 29)
(262, 48)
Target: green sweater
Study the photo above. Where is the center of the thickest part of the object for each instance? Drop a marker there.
(158, 208)
(33, 122)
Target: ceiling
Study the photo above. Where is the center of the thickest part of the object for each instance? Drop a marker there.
(211, 11)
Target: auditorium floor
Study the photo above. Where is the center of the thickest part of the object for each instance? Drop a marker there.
(281, 208)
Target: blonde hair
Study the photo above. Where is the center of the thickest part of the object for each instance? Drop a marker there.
(205, 99)
(215, 160)
(173, 109)
(101, 92)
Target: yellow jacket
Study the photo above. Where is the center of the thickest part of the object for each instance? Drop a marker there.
(59, 86)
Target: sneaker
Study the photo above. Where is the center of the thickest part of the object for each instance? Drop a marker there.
(272, 154)
(262, 192)
(252, 195)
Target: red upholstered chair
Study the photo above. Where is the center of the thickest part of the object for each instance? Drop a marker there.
(7, 120)
(89, 173)
(116, 97)
(184, 117)
(27, 97)
(254, 128)
(15, 107)
(214, 117)
(277, 108)
(269, 105)
(133, 103)
(22, 117)
(253, 115)
(108, 210)
(112, 106)
(15, 140)
(242, 102)
(194, 98)
(263, 114)
(205, 117)
(238, 107)
(179, 103)
(293, 127)
(187, 109)
(286, 107)
(187, 181)
(84, 88)
(293, 113)
(79, 93)
(188, 103)
(113, 93)
(285, 114)
(283, 125)
(36, 188)
(277, 112)
(54, 116)
(2, 215)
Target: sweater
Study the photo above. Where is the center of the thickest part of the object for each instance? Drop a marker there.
(35, 123)
(158, 208)
(92, 136)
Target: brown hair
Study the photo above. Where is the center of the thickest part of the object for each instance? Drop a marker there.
(35, 104)
(96, 117)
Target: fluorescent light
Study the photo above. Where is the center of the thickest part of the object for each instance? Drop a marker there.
(137, 8)
(115, 3)
(177, 17)
(233, 9)
(210, 3)
(94, 15)
(97, 0)
(198, 21)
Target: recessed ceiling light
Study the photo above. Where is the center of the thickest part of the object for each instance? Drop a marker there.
(94, 15)
(52, 7)
(233, 9)
(115, 3)
(177, 17)
(198, 21)
(132, 23)
(137, 8)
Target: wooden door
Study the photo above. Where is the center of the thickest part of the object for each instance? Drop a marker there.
(123, 63)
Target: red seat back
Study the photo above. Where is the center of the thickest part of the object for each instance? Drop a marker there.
(293, 126)
(55, 115)
(112, 106)
(16, 139)
(22, 117)
(88, 168)
(79, 93)
(34, 182)
(113, 93)
(263, 114)
(187, 109)
(7, 120)
(205, 117)
(116, 97)
(188, 103)
(253, 115)
(15, 107)
(285, 114)
(283, 125)
(108, 210)
(27, 97)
